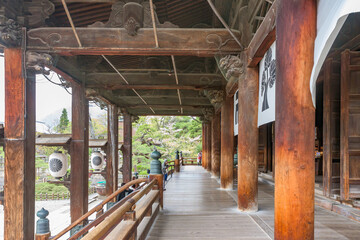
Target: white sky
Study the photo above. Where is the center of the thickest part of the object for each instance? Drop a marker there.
(50, 98)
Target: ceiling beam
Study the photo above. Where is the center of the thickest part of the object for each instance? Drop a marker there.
(153, 87)
(85, 1)
(196, 79)
(115, 41)
(263, 38)
(167, 106)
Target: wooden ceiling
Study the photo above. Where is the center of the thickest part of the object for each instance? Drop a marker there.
(146, 84)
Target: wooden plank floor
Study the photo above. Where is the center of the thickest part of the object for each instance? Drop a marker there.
(195, 208)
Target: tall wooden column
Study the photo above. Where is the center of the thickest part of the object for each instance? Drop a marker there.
(295, 120)
(19, 209)
(203, 162)
(215, 146)
(227, 144)
(112, 156)
(208, 146)
(248, 141)
(127, 152)
(79, 153)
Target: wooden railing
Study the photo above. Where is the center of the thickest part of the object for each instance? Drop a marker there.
(99, 209)
(189, 161)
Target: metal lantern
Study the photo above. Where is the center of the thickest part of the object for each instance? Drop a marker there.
(58, 164)
(97, 160)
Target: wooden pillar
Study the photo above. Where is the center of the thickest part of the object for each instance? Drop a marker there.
(227, 144)
(295, 120)
(127, 152)
(112, 156)
(203, 160)
(208, 145)
(248, 141)
(19, 209)
(79, 153)
(215, 145)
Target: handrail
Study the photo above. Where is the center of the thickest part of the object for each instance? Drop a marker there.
(114, 218)
(99, 206)
(103, 216)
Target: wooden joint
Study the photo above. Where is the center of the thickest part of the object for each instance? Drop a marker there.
(99, 213)
(130, 216)
(45, 236)
(149, 212)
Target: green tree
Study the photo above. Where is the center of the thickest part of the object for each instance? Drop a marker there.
(64, 121)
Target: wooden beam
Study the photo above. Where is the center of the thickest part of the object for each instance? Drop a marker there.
(186, 79)
(227, 144)
(248, 142)
(127, 148)
(112, 155)
(155, 87)
(19, 209)
(295, 122)
(164, 106)
(79, 153)
(115, 41)
(263, 38)
(215, 145)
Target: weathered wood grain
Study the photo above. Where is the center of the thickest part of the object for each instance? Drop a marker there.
(112, 155)
(227, 143)
(248, 141)
(295, 120)
(79, 153)
(127, 148)
(215, 145)
(112, 41)
(19, 209)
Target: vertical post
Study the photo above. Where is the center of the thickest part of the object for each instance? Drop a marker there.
(208, 145)
(19, 209)
(215, 146)
(227, 144)
(177, 161)
(112, 156)
(248, 141)
(327, 136)
(127, 152)
(79, 153)
(203, 160)
(295, 120)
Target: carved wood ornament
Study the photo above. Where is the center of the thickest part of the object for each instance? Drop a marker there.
(37, 62)
(132, 16)
(10, 33)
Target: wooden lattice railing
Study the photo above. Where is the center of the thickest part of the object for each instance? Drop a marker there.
(123, 218)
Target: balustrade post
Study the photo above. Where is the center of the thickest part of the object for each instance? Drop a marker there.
(155, 172)
(177, 161)
(42, 225)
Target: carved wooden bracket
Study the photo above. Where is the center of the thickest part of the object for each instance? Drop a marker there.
(134, 118)
(208, 113)
(10, 33)
(132, 16)
(231, 66)
(39, 10)
(215, 96)
(37, 62)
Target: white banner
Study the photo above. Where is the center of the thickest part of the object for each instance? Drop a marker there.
(236, 113)
(331, 15)
(267, 81)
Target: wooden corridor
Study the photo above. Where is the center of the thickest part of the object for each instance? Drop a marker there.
(195, 208)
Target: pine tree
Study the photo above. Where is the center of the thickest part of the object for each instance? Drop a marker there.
(64, 121)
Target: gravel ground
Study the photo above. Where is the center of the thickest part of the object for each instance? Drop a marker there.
(59, 214)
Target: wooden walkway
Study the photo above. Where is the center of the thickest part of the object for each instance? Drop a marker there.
(195, 208)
